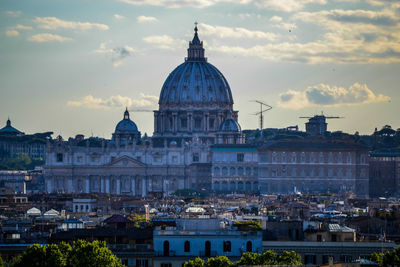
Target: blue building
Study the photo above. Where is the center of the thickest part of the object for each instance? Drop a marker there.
(203, 238)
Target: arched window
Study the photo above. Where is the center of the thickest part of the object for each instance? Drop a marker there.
(207, 249)
(187, 246)
(248, 171)
(240, 171)
(216, 171)
(216, 186)
(255, 186)
(249, 246)
(166, 249)
(240, 186)
(227, 245)
(232, 186)
(224, 171)
(232, 171)
(248, 186)
(224, 186)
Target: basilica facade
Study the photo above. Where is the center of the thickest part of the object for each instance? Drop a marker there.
(195, 113)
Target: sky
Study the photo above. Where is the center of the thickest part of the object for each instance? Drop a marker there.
(72, 67)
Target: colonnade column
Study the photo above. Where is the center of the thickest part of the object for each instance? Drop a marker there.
(48, 185)
(190, 121)
(144, 187)
(175, 121)
(87, 184)
(162, 122)
(70, 188)
(119, 185)
(133, 186)
(156, 121)
(107, 185)
(102, 184)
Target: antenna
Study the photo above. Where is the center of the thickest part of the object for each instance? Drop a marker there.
(262, 110)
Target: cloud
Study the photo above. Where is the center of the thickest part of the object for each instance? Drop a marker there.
(249, 15)
(53, 23)
(12, 33)
(117, 101)
(237, 32)
(326, 95)
(48, 37)
(279, 5)
(143, 19)
(118, 54)
(117, 16)
(359, 16)
(275, 19)
(13, 13)
(349, 37)
(22, 27)
(164, 42)
(286, 5)
(172, 3)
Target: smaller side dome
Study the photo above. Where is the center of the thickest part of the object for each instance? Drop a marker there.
(126, 125)
(230, 125)
(126, 131)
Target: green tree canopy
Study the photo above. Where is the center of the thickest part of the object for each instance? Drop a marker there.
(81, 254)
(1, 262)
(289, 258)
(197, 262)
(219, 261)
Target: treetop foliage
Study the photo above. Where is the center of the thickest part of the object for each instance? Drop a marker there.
(80, 254)
(269, 257)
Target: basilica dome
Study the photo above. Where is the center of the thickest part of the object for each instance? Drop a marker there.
(196, 81)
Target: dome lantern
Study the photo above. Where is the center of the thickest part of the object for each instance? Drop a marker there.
(196, 50)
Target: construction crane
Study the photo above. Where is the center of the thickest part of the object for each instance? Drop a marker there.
(317, 124)
(141, 110)
(262, 110)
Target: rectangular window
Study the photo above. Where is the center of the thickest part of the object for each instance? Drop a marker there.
(196, 157)
(166, 264)
(197, 123)
(142, 263)
(183, 122)
(263, 157)
(60, 157)
(240, 157)
(211, 123)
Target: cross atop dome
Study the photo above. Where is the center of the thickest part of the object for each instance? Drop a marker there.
(196, 50)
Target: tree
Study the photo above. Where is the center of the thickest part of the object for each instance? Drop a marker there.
(269, 257)
(248, 225)
(289, 258)
(1, 262)
(220, 261)
(377, 257)
(197, 262)
(82, 253)
(92, 254)
(33, 256)
(250, 258)
(140, 221)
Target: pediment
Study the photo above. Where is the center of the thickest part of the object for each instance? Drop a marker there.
(126, 161)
